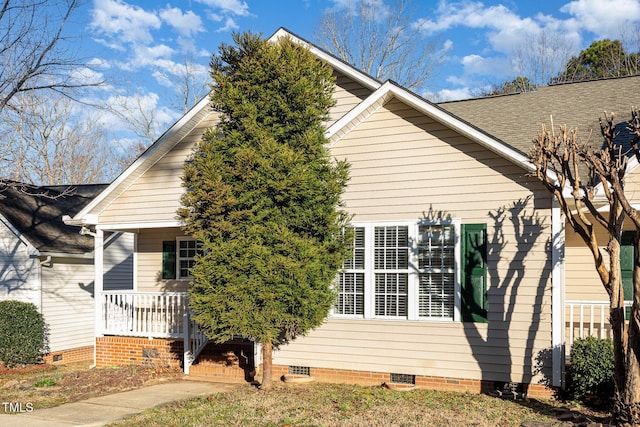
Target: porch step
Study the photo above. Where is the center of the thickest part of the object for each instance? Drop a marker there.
(220, 367)
(222, 363)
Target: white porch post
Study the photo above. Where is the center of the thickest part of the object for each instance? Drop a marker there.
(186, 333)
(257, 356)
(557, 295)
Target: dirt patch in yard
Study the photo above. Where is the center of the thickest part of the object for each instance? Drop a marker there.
(45, 385)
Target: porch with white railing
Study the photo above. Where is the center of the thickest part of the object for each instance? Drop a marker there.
(587, 319)
(152, 315)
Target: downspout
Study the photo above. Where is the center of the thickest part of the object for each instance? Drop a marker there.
(557, 295)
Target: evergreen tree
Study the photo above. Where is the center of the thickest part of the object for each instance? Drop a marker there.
(263, 197)
(602, 59)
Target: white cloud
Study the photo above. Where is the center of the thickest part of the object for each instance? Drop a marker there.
(125, 22)
(505, 29)
(187, 24)
(148, 55)
(99, 63)
(468, 14)
(449, 94)
(229, 25)
(378, 7)
(498, 67)
(605, 18)
(234, 7)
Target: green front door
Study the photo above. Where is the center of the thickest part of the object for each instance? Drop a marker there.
(474, 273)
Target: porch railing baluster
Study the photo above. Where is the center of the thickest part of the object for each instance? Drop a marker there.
(588, 317)
(143, 314)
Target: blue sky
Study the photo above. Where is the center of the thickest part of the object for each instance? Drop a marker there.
(140, 46)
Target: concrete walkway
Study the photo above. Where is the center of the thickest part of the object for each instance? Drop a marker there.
(99, 411)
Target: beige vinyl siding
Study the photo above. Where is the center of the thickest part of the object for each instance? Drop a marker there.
(156, 195)
(405, 166)
(118, 263)
(348, 93)
(149, 261)
(581, 279)
(19, 273)
(67, 303)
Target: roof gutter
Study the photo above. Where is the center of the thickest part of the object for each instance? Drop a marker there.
(86, 255)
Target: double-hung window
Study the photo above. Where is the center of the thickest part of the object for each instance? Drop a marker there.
(402, 271)
(178, 257)
(436, 270)
(391, 270)
(187, 251)
(351, 298)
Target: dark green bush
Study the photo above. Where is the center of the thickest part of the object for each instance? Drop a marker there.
(23, 333)
(591, 369)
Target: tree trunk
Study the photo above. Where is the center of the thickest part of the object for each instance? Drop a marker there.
(626, 408)
(267, 365)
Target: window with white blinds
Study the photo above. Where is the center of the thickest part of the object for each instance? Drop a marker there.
(391, 270)
(400, 271)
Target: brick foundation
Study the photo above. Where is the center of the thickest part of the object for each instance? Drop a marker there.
(79, 354)
(367, 378)
(122, 351)
(214, 363)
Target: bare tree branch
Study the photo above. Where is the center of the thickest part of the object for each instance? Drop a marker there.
(381, 41)
(562, 156)
(50, 143)
(33, 52)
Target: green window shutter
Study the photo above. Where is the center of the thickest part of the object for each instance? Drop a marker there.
(169, 259)
(474, 273)
(626, 265)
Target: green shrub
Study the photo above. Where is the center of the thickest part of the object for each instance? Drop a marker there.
(23, 333)
(591, 369)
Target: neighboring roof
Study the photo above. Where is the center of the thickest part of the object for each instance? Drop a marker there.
(36, 213)
(391, 89)
(516, 119)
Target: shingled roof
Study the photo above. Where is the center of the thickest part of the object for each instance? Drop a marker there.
(36, 213)
(516, 119)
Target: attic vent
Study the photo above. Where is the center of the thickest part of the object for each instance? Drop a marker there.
(299, 370)
(403, 379)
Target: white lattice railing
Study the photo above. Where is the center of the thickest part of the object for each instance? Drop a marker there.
(587, 319)
(153, 315)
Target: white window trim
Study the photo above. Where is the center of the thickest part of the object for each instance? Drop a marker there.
(412, 285)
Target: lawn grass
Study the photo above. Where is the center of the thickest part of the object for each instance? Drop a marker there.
(319, 404)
